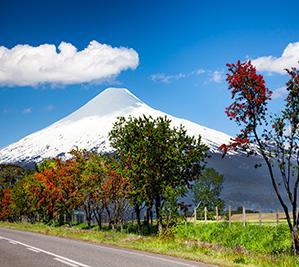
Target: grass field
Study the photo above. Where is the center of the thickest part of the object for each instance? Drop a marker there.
(214, 243)
(266, 217)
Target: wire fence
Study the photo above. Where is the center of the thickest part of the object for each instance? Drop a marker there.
(241, 215)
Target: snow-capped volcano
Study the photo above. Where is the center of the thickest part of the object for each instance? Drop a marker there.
(89, 126)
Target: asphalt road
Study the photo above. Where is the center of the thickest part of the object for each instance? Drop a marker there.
(25, 249)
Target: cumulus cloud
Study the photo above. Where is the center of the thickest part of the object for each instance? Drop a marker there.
(289, 58)
(25, 65)
(168, 78)
(217, 76)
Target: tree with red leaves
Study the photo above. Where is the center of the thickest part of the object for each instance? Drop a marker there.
(278, 145)
(5, 205)
(116, 189)
(59, 192)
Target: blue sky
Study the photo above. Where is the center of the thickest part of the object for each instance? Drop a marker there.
(182, 47)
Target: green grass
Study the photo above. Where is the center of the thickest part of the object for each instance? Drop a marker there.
(266, 239)
(214, 243)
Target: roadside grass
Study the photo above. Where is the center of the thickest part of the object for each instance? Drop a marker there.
(267, 239)
(214, 243)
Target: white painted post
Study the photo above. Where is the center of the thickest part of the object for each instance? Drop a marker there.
(206, 211)
(194, 217)
(229, 215)
(260, 218)
(217, 214)
(244, 216)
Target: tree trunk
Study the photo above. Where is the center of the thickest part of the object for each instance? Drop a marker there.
(97, 213)
(137, 211)
(61, 219)
(49, 218)
(151, 216)
(109, 216)
(121, 217)
(159, 218)
(88, 216)
(295, 240)
(69, 218)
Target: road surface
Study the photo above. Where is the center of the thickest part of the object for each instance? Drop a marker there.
(25, 249)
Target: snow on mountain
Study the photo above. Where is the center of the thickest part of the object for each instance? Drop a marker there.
(89, 126)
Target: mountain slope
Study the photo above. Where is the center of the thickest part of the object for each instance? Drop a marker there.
(89, 126)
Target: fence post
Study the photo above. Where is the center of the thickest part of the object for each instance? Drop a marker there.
(260, 218)
(244, 216)
(205, 215)
(217, 214)
(229, 215)
(277, 217)
(194, 216)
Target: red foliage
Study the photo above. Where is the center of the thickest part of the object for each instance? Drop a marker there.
(250, 97)
(292, 100)
(5, 203)
(58, 187)
(115, 186)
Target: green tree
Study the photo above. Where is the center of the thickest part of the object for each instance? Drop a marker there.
(10, 173)
(157, 157)
(93, 201)
(9, 176)
(206, 191)
(47, 163)
(24, 200)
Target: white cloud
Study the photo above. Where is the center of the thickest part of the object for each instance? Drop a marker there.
(25, 65)
(164, 78)
(288, 59)
(27, 110)
(217, 76)
(168, 78)
(279, 92)
(49, 108)
(200, 71)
